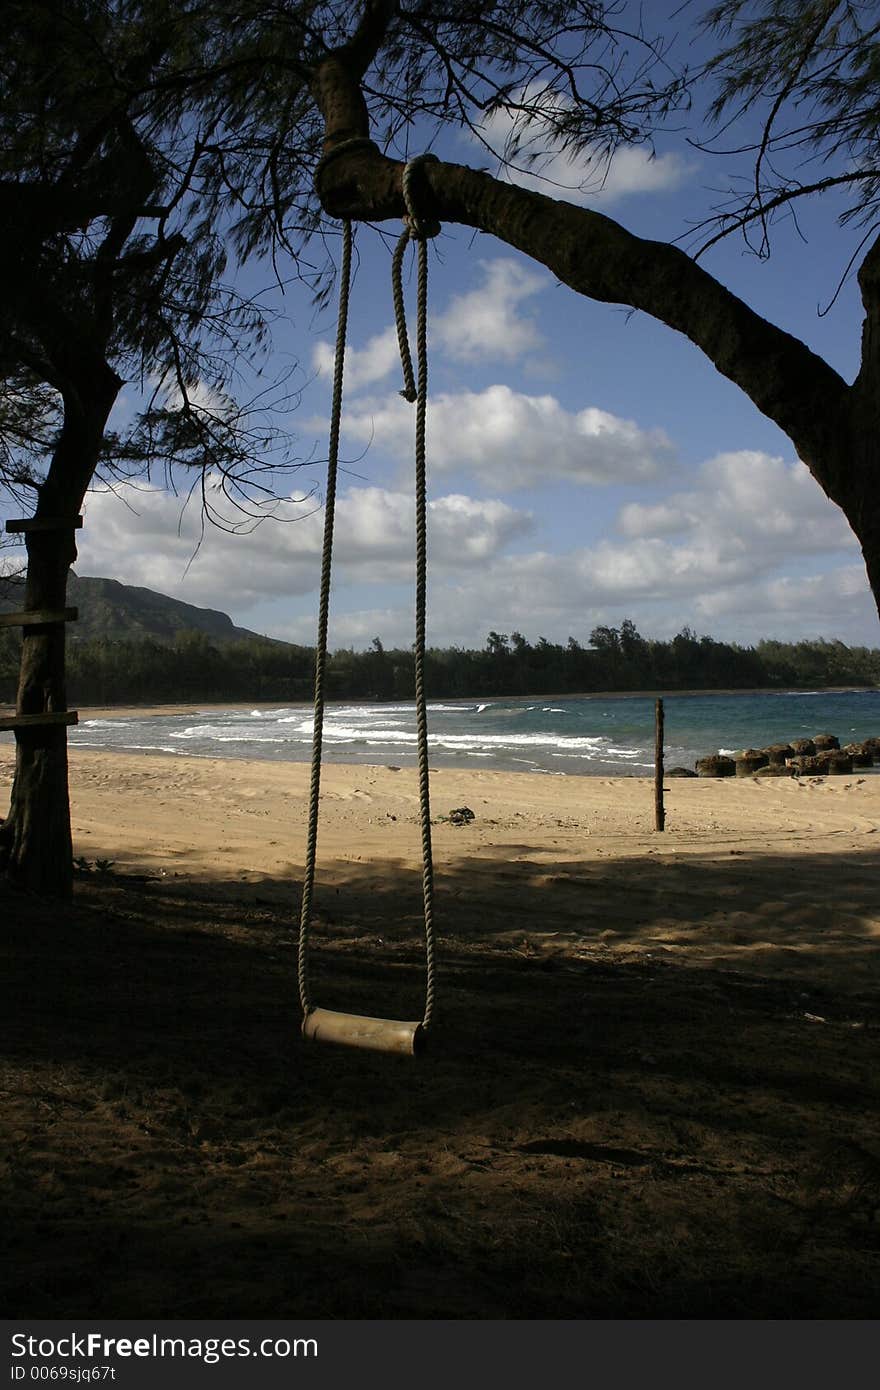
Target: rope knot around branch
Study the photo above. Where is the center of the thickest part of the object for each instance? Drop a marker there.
(420, 228)
(354, 142)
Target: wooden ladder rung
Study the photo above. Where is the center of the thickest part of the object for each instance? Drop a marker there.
(45, 523)
(33, 721)
(39, 617)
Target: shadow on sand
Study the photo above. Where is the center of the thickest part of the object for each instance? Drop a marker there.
(632, 1106)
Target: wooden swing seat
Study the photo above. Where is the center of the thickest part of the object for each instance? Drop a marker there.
(357, 1030)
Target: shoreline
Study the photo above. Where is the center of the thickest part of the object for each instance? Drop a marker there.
(191, 707)
(458, 742)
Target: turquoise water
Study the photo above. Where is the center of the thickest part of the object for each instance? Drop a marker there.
(581, 736)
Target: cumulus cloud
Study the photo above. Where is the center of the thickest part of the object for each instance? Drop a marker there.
(482, 324)
(831, 601)
(393, 624)
(202, 397)
(560, 596)
(655, 518)
(141, 536)
(727, 548)
(508, 439)
(747, 497)
(486, 322)
(651, 568)
(531, 155)
(753, 550)
(363, 366)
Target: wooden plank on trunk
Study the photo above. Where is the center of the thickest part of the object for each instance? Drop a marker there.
(45, 523)
(34, 721)
(39, 617)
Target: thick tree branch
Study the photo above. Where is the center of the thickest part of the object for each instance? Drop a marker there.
(369, 36)
(600, 259)
(335, 83)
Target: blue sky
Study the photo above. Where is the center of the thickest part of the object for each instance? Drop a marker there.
(585, 464)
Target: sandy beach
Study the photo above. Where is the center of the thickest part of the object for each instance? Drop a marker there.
(532, 842)
(651, 1091)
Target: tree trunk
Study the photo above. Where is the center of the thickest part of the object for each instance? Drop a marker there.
(35, 840)
(858, 466)
(37, 834)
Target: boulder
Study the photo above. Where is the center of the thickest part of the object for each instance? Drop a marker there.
(778, 752)
(839, 764)
(825, 742)
(815, 766)
(462, 815)
(861, 754)
(750, 761)
(873, 744)
(776, 770)
(718, 765)
(680, 772)
(803, 747)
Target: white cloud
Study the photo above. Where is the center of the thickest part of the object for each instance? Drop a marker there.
(652, 569)
(727, 558)
(485, 323)
(654, 519)
(149, 543)
(532, 156)
(719, 557)
(556, 596)
(394, 625)
(829, 602)
(507, 439)
(481, 324)
(748, 497)
(363, 366)
(753, 550)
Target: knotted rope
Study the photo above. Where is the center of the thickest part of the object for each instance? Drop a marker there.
(416, 392)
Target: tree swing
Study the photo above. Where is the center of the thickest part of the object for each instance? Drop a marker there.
(327, 1025)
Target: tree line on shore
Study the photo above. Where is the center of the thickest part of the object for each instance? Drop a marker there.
(193, 667)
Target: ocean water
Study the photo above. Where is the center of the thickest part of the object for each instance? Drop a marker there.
(573, 736)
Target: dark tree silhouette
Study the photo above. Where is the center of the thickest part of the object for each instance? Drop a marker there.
(108, 272)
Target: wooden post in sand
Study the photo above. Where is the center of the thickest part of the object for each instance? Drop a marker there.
(659, 810)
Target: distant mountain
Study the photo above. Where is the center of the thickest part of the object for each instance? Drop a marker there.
(122, 612)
